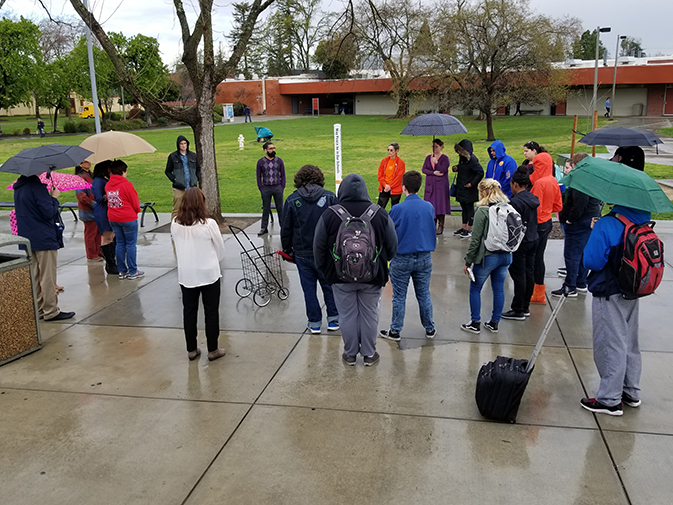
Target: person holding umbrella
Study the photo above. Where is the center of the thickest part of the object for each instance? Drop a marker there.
(436, 170)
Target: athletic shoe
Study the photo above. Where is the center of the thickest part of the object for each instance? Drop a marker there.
(62, 316)
(572, 293)
(472, 327)
(123, 275)
(630, 401)
(390, 335)
(514, 316)
(370, 360)
(526, 313)
(561, 271)
(333, 326)
(139, 274)
(431, 333)
(314, 329)
(583, 290)
(466, 234)
(593, 405)
(458, 232)
(349, 360)
(262, 232)
(492, 326)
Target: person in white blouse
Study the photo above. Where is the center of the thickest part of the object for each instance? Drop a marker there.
(199, 248)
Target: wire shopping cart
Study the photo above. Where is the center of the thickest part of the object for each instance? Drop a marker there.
(261, 272)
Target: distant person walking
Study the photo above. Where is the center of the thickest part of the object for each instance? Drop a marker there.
(607, 107)
(469, 174)
(183, 170)
(436, 170)
(199, 249)
(246, 112)
(416, 239)
(391, 170)
(40, 126)
(271, 183)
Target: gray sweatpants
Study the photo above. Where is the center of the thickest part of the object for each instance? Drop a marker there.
(616, 350)
(359, 306)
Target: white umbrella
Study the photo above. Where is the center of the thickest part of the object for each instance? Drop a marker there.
(109, 145)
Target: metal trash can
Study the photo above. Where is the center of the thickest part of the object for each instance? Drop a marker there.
(19, 326)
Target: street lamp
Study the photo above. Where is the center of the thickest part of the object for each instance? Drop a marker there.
(599, 30)
(614, 77)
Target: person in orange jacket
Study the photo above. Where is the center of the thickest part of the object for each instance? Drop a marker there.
(545, 187)
(391, 171)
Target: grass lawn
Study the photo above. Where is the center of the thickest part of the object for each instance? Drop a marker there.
(310, 140)
(668, 132)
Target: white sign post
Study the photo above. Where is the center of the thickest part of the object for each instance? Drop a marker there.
(337, 155)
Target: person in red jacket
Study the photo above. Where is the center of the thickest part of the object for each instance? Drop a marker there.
(391, 171)
(546, 188)
(123, 208)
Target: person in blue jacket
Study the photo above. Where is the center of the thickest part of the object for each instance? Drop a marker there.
(37, 220)
(500, 167)
(614, 318)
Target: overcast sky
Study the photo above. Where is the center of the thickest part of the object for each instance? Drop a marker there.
(648, 20)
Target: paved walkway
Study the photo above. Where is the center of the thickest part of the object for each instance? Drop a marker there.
(110, 411)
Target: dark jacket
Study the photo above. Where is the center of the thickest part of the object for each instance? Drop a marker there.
(578, 206)
(471, 172)
(37, 214)
(355, 199)
(526, 204)
(301, 212)
(175, 170)
(603, 251)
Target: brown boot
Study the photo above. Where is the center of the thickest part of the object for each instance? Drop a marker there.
(440, 224)
(538, 294)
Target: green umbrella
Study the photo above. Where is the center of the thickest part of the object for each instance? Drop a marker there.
(617, 184)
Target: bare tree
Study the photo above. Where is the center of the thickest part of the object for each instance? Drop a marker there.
(205, 74)
(59, 36)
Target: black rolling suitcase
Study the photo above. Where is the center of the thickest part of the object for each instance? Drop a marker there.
(501, 383)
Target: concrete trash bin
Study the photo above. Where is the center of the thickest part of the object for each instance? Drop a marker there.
(19, 327)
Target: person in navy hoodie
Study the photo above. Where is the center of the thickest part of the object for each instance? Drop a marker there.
(615, 319)
(37, 220)
(500, 167)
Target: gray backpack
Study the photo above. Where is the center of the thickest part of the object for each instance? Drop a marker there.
(355, 252)
(505, 228)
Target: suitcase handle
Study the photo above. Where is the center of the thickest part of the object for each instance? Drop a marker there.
(543, 337)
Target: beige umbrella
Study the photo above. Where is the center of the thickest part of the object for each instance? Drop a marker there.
(109, 145)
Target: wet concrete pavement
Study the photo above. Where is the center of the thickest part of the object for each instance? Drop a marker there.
(111, 411)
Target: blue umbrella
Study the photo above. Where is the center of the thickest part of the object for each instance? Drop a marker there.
(620, 137)
(434, 124)
(37, 160)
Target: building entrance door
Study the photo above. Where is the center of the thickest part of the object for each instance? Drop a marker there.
(668, 100)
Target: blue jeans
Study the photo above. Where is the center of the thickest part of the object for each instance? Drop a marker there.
(309, 278)
(418, 266)
(127, 237)
(576, 238)
(495, 266)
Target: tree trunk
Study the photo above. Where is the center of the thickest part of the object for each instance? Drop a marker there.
(55, 117)
(204, 138)
(490, 136)
(402, 104)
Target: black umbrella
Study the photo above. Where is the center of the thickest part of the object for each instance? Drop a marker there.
(37, 160)
(620, 137)
(434, 124)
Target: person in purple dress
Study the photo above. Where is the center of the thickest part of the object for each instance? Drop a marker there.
(436, 169)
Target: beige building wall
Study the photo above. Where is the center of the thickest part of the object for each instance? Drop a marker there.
(628, 101)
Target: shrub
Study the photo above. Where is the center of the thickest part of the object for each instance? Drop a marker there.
(162, 121)
(218, 109)
(26, 131)
(70, 127)
(16, 132)
(238, 108)
(217, 117)
(85, 127)
(113, 116)
(129, 124)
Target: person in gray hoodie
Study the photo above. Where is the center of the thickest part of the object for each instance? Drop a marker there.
(183, 170)
(302, 210)
(358, 302)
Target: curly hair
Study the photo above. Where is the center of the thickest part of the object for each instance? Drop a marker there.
(309, 174)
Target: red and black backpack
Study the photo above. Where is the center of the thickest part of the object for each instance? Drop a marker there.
(641, 267)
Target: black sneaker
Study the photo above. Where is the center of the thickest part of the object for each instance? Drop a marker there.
(593, 405)
(563, 290)
(262, 232)
(370, 360)
(431, 333)
(458, 232)
(390, 335)
(583, 290)
(515, 316)
(492, 326)
(561, 272)
(472, 327)
(349, 360)
(62, 316)
(630, 401)
(466, 234)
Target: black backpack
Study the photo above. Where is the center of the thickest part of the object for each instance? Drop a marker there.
(355, 252)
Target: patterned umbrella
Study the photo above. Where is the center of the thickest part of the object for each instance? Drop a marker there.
(62, 182)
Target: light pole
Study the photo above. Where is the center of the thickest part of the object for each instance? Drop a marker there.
(599, 30)
(92, 75)
(614, 77)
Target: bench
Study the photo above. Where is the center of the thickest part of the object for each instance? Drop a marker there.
(536, 112)
(71, 206)
(9, 205)
(145, 206)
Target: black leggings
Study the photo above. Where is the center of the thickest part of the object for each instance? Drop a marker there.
(384, 197)
(468, 212)
(211, 308)
(543, 230)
